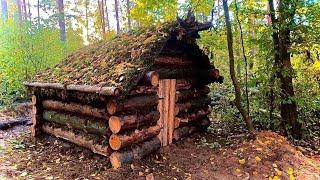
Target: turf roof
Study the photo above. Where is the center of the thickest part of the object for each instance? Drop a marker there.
(119, 62)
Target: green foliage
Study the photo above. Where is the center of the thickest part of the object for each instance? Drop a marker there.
(25, 50)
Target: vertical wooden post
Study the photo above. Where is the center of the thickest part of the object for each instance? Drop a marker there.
(36, 116)
(166, 107)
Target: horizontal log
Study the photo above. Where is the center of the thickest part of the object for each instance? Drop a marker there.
(197, 103)
(120, 141)
(82, 140)
(182, 132)
(183, 95)
(150, 78)
(75, 108)
(4, 125)
(167, 73)
(201, 114)
(124, 122)
(143, 90)
(85, 124)
(108, 91)
(92, 99)
(132, 104)
(172, 61)
(141, 150)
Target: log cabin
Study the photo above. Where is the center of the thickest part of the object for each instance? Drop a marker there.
(127, 97)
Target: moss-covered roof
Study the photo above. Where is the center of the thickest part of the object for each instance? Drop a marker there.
(119, 62)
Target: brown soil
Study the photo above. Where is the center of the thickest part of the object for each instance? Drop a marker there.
(203, 156)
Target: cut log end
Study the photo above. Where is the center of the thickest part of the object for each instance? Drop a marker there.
(116, 91)
(115, 160)
(153, 78)
(115, 124)
(115, 142)
(112, 107)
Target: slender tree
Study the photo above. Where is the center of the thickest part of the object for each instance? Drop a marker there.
(87, 18)
(4, 8)
(102, 20)
(61, 20)
(18, 2)
(38, 13)
(128, 14)
(25, 14)
(116, 8)
(232, 71)
(244, 57)
(107, 15)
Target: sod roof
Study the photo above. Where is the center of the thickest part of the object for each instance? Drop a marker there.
(119, 62)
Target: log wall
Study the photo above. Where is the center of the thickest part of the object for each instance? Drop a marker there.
(129, 129)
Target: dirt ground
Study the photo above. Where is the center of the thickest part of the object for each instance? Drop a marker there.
(211, 155)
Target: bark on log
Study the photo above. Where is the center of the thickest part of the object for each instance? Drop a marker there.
(78, 139)
(132, 103)
(108, 91)
(92, 99)
(166, 73)
(120, 123)
(200, 102)
(172, 61)
(4, 125)
(93, 126)
(75, 108)
(36, 117)
(119, 141)
(118, 159)
(150, 78)
(192, 118)
(143, 90)
(183, 132)
(184, 95)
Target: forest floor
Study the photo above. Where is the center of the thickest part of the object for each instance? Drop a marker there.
(222, 153)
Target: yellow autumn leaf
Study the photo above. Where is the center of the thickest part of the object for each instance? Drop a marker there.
(238, 170)
(257, 158)
(242, 161)
(279, 173)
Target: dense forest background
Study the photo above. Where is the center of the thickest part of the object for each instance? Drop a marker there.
(35, 35)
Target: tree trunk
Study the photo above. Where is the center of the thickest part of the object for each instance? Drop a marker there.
(38, 13)
(116, 8)
(87, 19)
(128, 15)
(4, 8)
(24, 5)
(101, 11)
(288, 104)
(61, 20)
(232, 71)
(107, 15)
(19, 10)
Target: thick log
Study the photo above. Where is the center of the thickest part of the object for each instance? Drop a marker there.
(108, 91)
(75, 108)
(124, 122)
(80, 123)
(150, 78)
(141, 150)
(198, 103)
(120, 141)
(36, 117)
(183, 95)
(92, 99)
(79, 139)
(182, 132)
(201, 114)
(143, 90)
(172, 61)
(132, 104)
(166, 73)
(4, 125)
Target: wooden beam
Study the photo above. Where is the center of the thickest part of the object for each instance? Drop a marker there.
(108, 91)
